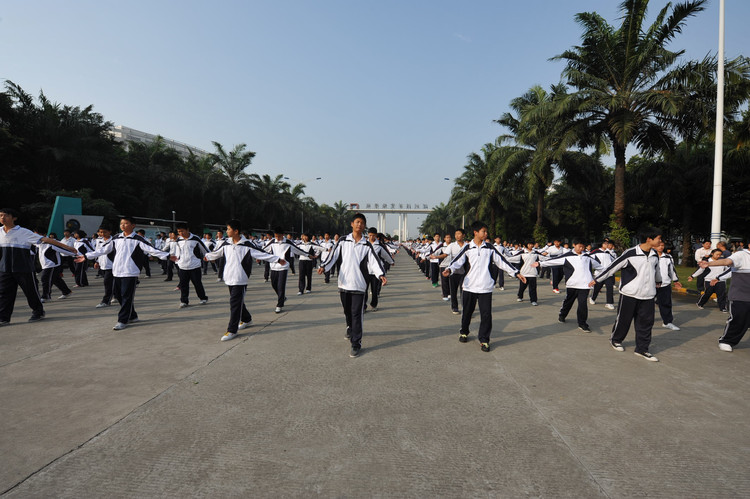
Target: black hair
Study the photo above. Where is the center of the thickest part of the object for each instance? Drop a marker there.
(11, 211)
(460, 230)
(360, 216)
(52, 235)
(128, 218)
(478, 225)
(234, 224)
(372, 230)
(578, 240)
(140, 231)
(648, 233)
(182, 225)
(81, 233)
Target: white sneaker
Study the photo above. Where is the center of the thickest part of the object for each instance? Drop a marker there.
(556, 291)
(183, 305)
(102, 305)
(519, 300)
(647, 356)
(219, 279)
(299, 293)
(307, 291)
(670, 326)
(228, 336)
(203, 302)
(64, 297)
(591, 302)
(243, 325)
(725, 347)
(501, 288)
(278, 310)
(446, 298)
(534, 304)
(617, 346)
(609, 306)
(120, 326)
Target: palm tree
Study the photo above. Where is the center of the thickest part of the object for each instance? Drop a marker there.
(619, 75)
(271, 195)
(232, 166)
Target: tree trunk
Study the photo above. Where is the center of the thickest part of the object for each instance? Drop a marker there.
(619, 207)
(539, 205)
(687, 248)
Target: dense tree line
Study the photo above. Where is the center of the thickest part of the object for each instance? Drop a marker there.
(49, 149)
(621, 87)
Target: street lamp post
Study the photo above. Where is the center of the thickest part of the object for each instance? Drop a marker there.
(719, 145)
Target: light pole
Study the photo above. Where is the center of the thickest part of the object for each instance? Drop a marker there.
(174, 220)
(719, 145)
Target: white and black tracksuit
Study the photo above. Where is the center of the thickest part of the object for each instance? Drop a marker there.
(526, 259)
(638, 279)
(577, 270)
(306, 262)
(238, 258)
(479, 283)
(105, 265)
(83, 246)
(50, 259)
(374, 281)
(739, 299)
(709, 274)
(129, 256)
(358, 261)
(605, 257)
(664, 290)
(456, 279)
(190, 252)
(279, 272)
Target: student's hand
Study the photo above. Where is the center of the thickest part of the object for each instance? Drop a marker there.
(703, 264)
(690, 278)
(281, 261)
(79, 259)
(320, 270)
(678, 285)
(446, 273)
(521, 278)
(383, 280)
(592, 284)
(535, 264)
(173, 258)
(713, 282)
(96, 266)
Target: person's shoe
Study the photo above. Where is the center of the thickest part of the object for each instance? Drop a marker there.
(724, 310)
(299, 293)
(36, 317)
(435, 285)
(134, 320)
(534, 304)
(560, 318)
(220, 279)
(585, 328)
(203, 302)
(556, 291)
(647, 356)
(501, 288)
(446, 298)
(455, 311)
(609, 306)
(617, 346)
(485, 347)
(167, 280)
(725, 347)
(243, 325)
(43, 300)
(228, 336)
(463, 338)
(591, 302)
(4, 323)
(183, 304)
(120, 326)
(348, 333)
(374, 309)
(278, 310)
(102, 305)
(699, 306)
(670, 326)
(354, 351)
(307, 291)
(519, 300)
(65, 297)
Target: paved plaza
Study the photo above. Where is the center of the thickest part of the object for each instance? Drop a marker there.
(164, 409)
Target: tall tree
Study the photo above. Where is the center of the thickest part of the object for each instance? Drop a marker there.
(232, 166)
(620, 77)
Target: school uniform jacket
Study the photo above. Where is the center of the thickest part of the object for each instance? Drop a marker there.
(129, 254)
(50, 255)
(740, 289)
(83, 245)
(478, 278)
(383, 253)
(640, 273)
(104, 261)
(452, 250)
(666, 268)
(358, 260)
(526, 259)
(239, 260)
(721, 273)
(280, 249)
(604, 256)
(190, 252)
(577, 268)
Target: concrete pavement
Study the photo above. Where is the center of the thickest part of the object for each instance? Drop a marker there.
(165, 409)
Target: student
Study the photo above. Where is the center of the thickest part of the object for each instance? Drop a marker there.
(499, 276)
(104, 264)
(17, 266)
(442, 255)
(716, 277)
(190, 252)
(576, 266)
(557, 273)
(605, 255)
(146, 261)
(82, 246)
(267, 270)
(385, 257)
(638, 281)
(456, 278)
(170, 246)
(306, 264)
(739, 297)
(130, 250)
(355, 254)
(68, 262)
(238, 254)
(209, 243)
(664, 290)
(220, 240)
(434, 264)
(702, 254)
(527, 258)
(327, 246)
(50, 260)
(281, 247)
(478, 282)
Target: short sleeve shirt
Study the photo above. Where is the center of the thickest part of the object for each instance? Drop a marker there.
(15, 249)
(740, 289)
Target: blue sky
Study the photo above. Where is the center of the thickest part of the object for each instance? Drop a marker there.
(381, 99)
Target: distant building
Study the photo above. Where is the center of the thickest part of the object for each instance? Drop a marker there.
(125, 135)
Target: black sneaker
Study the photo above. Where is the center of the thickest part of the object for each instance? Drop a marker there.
(585, 328)
(560, 318)
(36, 317)
(355, 351)
(647, 356)
(463, 338)
(348, 333)
(485, 347)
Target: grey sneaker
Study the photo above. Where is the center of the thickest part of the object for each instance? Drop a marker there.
(120, 326)
(183, 305)
(355, 351)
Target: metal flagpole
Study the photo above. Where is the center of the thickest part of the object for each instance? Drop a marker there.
(719, 146)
